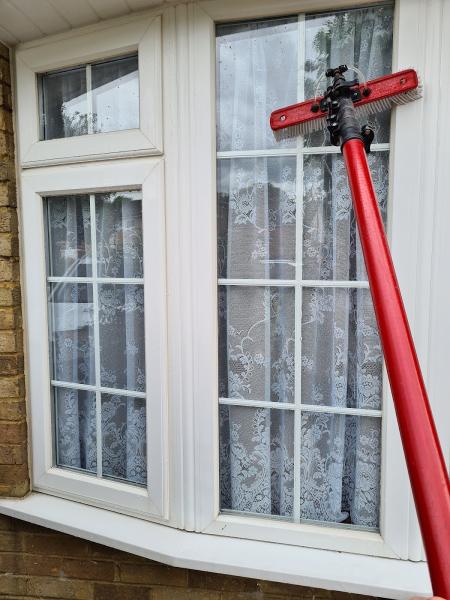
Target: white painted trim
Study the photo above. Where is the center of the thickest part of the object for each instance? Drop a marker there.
(143, 36)
(351, 573)
(130, 174)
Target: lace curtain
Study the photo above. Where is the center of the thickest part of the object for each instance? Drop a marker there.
(116, 311)
(338, 455)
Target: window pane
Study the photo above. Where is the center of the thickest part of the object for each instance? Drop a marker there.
(331, 330)
(124, 447)
(256, 342)
(360, 38)
(92, 98)
(64, 104)
(71, 321)
(257, 460)
(115, 94)
(331, 246)
(76, 443)
(256, 217)
(97, 333)
(256, 73)
(341, 351)
(119, 234)
(340, 469)
(68, 226)
(122, 336)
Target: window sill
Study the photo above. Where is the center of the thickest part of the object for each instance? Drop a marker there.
(344, 572)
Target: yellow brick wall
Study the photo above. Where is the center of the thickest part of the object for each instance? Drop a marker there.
(38, 563)
(14, 480)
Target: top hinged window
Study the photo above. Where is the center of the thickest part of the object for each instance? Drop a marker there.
(92, 98)
(94, 95)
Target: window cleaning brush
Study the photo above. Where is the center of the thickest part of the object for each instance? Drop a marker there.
(337, 110)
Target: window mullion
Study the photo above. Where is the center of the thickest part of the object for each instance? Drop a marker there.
(98, 406)
(90, 114)
(298, 276)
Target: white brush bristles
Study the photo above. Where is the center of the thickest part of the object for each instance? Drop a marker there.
(362, 111)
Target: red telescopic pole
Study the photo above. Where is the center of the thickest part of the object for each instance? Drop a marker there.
(427, 471)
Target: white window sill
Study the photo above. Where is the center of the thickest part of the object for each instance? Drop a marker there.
(340, 571)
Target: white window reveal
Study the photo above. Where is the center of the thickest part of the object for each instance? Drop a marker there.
(92, 98)
(96, 321)
(300, 361)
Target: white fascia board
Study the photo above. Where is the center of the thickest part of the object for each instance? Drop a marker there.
(383, 577)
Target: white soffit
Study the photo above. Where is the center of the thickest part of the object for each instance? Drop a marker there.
(27, 20)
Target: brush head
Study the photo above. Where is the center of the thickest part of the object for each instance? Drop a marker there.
(374, 96)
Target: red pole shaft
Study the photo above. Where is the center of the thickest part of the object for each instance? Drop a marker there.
(428, 475)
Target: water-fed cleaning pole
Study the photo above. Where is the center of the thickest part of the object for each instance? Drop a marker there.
(427, 471)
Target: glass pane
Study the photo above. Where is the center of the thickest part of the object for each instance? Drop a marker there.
(340, 469)
(360, 38)
(119, 234)
(257, 460)
(115, 94)
(257, 65)
(342, 361)
(63, 104)
(122, 336)
(256, 217)
(68, 226)
(124, 447)
(71, 322)
(331, 246)
(75, 426)
(256, 343)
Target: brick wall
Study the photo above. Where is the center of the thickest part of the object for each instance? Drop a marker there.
(14, 480)
(40, 563)
(37, 563)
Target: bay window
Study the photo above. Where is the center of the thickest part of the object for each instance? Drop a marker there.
(202, 347)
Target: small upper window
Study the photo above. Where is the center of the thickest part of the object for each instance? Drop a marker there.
(92, 98)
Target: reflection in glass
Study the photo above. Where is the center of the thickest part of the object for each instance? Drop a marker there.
(341, 357)
(122, 336)
(256, 342)
(76, 437)
(256, 72)
(119, 234)
(64, 110)
(124, 448)
(71, 323)
(68, 227)
(115, 95)
(340, 469)
(92, 98)
(256, 460)
(361, 38)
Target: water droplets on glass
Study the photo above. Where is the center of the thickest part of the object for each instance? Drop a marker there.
(92, 98)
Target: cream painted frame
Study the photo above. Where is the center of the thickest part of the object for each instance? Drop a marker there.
(119, 38)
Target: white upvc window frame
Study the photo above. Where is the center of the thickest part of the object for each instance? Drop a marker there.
(116, 39)
(399, 536)
(36, 184)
